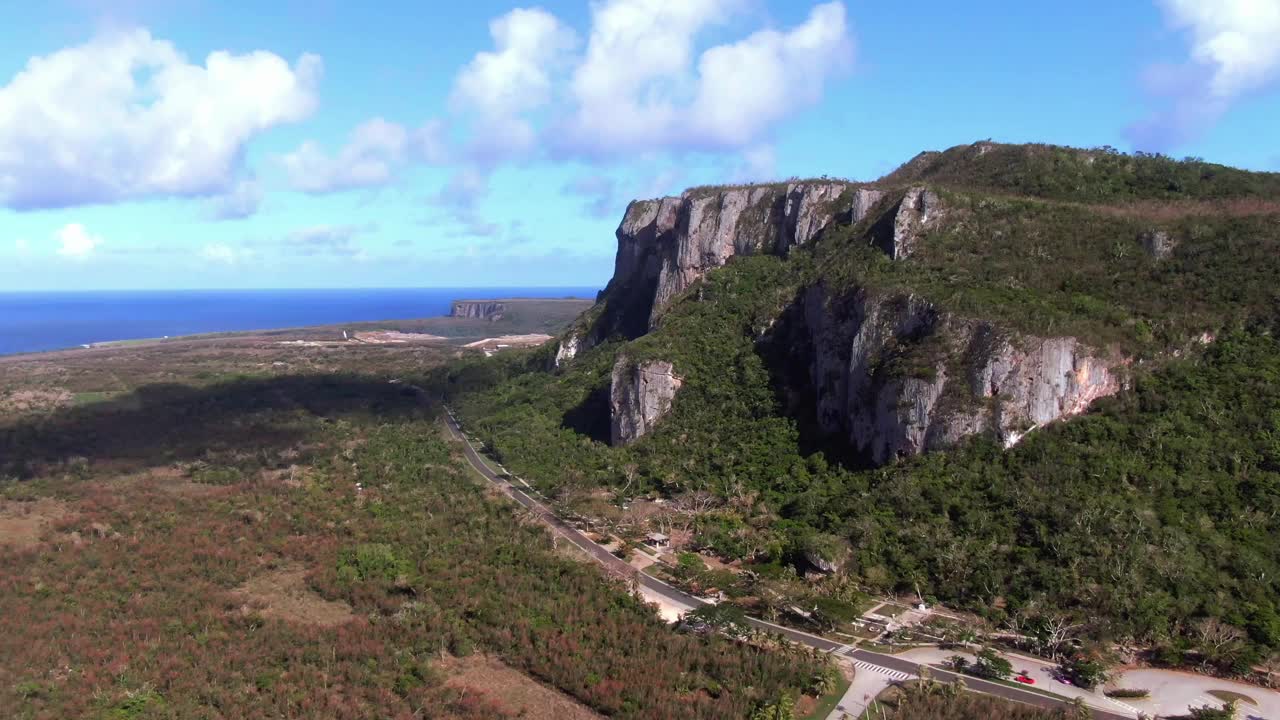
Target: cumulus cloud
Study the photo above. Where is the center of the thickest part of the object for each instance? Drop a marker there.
(638, 87)
(368, 159)
(1233, 52)
(497, 88)
(241, 202)
(75, 242)
(645, 83)
(127, 116)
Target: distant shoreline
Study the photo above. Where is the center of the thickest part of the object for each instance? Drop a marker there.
(70, 321)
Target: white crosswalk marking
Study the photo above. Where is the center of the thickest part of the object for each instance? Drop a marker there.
(891, 674)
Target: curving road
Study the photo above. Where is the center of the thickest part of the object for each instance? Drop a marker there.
(885, 664)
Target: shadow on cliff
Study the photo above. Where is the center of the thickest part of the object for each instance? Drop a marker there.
(591, 416)
(788, 354)
(167, 423)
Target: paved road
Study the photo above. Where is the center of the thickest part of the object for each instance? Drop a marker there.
(886, 664)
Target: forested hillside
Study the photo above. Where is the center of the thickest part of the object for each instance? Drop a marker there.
(1151, 518)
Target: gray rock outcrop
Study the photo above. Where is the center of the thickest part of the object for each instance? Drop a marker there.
(668, 244)
(1157, 243)
(899, 231)
(896, 376)
(640, 395)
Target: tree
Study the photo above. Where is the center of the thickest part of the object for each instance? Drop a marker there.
(784, 708)
(1085, 672)
(1208, 712)
(990, 665)
(1219, 642)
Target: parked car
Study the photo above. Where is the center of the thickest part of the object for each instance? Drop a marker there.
(1025, 680)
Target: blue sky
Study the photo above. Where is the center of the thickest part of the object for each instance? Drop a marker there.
(203, 144)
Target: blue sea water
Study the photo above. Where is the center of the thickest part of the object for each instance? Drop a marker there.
(35, 322)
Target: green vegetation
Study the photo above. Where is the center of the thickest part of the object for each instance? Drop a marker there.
(932, 700)
(988, 665)
(305, 546)
(1123, 693)
(1054, 269)
(1092, 176)
(1149, 519)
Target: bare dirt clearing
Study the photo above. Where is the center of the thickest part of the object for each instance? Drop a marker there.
(22, 522)
(513, 690)
(283, 594)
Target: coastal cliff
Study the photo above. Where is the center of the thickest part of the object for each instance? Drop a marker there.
(478, 309)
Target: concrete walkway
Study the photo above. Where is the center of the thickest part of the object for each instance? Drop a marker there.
(866, 685)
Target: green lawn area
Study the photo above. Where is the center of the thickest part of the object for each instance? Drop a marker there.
(828, 702)
(891, 610)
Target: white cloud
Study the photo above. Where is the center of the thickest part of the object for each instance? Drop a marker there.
(497, 88)
(638, 89)
(241, 202)
(1238, 39)
(126, 116)
(1233, 51)
(75, 242)
(372, 153)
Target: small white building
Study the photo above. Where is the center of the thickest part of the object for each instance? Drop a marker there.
(657, 540)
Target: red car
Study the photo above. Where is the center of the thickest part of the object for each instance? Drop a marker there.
(1025, 680)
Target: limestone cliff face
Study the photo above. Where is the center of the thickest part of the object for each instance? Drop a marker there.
(478, 309)
(640, 394)
(895, 376)
(665, 245)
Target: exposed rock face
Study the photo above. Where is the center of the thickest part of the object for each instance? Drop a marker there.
(895, 376)
(668, 244)
(1157, 243)
(567, 349)
(898, 231)
(478, 309)
(640, 394)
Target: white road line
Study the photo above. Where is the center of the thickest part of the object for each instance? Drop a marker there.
(1125, 706)
(891, 674)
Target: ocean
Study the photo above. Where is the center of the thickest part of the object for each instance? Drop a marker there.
(39, 321)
